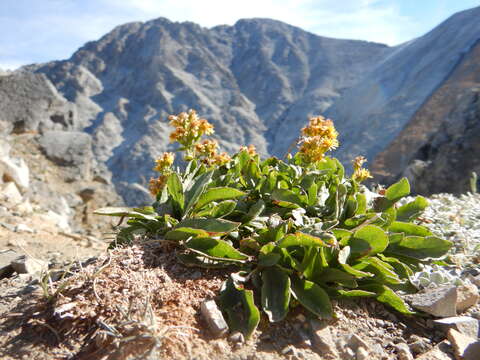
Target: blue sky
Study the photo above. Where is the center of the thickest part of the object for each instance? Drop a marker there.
(43, 30)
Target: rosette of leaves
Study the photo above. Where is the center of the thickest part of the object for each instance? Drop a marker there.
(292, 233)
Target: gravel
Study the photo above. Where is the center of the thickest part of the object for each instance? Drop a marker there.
(455, 218)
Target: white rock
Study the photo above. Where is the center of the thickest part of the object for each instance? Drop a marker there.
(23, 228)
(9, 195)
(28, 265)
(463, 324)
(58, 220)
(467, 296)
(24, 208)
(214, 318)
(322, 339)
(466, 348)
(441, 301)
(16, 170)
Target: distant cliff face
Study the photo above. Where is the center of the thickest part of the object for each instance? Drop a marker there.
(371, 114)
(440, 147)
(257, 82)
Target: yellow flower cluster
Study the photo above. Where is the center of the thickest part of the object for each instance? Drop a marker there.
(208, 148)
(156, 185)
(165, 162)
(207, 152)
(252, 151)
(318, 137)
(359, 173)
(189, 128)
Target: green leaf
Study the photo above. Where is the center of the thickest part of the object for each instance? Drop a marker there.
(124, 212)
(409, 229)
(312, 297)
(370, 239)
(216, 194)
(343, 255)
(343, 236)
(223, 208)
(254, 211)
(218, 249)
(212, 226)
(286, 198)
(267, 256)
(330, 275)
(398, 190)
(238, 304)
(275, 293)
(356, 293)
(389, 297)
(412, 210)
(175, 189)
(384, 272)
(192, 259)
(419, 247)
(192, 195)
(301, 239)
(184, 233)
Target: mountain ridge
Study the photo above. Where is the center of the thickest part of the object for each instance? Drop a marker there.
(257, 81)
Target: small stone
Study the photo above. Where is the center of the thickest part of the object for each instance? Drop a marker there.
(476, 280)
(28, 265)
(288, 350)
(463, 324)
(322, 339)
(23, 228)
(348, 353)
(419, 345)
(237, 338)
(403, 352)
(214, 318)
(441, 301)
(466, 348)
(6, 258)
(356, 342)
(439, 352)
(362, 353)
(467, 296)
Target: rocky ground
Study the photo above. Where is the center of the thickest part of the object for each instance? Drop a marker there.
(63, 296)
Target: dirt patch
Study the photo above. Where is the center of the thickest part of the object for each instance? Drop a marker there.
(139, 302)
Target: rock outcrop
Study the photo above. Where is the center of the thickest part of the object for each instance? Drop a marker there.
(439, 147)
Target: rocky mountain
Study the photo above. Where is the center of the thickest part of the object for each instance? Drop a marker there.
(257, 81)
(370, 115)
(439, 147)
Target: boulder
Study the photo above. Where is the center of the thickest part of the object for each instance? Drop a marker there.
(69, 149)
